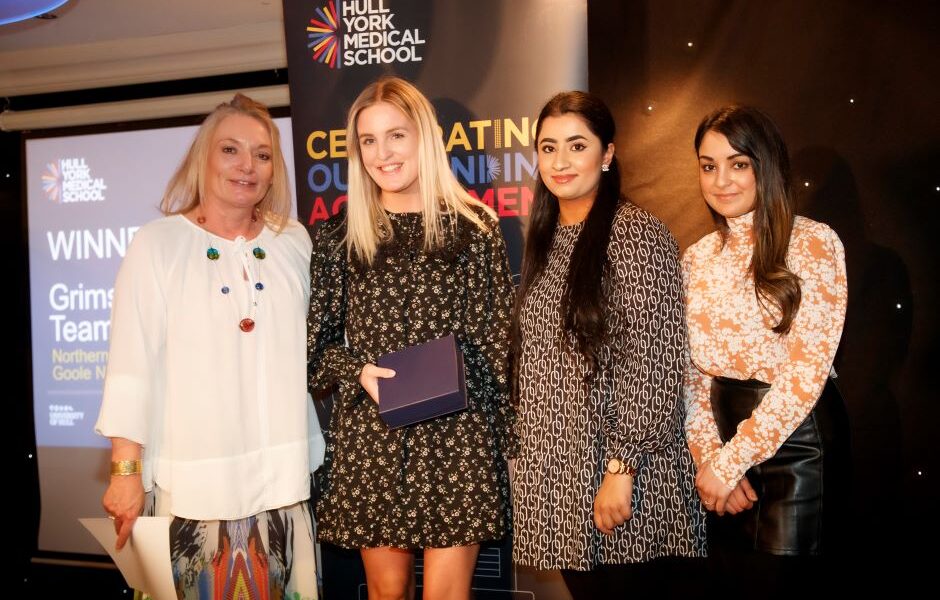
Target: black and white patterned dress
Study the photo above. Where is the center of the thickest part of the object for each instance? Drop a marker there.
(441, 482)
(568, 429)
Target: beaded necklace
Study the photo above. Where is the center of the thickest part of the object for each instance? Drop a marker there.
(255, 286)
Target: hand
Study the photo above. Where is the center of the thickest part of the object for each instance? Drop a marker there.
(742, 498)
(612, 505)
(369, 379)
(713, 492)
(123, 501)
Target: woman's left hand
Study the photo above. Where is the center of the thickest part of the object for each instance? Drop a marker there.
(713, 492)
(612, 505)
(742, 498)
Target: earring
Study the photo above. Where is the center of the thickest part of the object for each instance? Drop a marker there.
(605, 167)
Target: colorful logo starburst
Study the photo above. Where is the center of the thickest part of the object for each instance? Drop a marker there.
(52, 181)
(493, 168)
(323, 34)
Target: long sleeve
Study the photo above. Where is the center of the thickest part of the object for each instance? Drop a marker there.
(183, 376)
(700, 427)
(486, 331)
(329, 360)
(641, 414)
(138, 331)
(818, 259)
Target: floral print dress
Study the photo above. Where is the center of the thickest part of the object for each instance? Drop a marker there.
(438, 483)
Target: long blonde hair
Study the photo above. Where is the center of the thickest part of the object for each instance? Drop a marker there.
(187, 187)
(441, 195)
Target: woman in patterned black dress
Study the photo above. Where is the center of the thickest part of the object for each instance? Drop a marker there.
(603, 487)
(413, 258)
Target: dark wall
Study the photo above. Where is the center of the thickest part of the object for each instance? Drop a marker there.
(853, 87)
(20, 448)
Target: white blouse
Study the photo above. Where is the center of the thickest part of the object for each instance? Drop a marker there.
(223, 416)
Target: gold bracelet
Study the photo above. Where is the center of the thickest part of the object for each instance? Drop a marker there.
(126, 467)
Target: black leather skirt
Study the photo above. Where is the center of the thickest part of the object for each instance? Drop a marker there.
(802, 489)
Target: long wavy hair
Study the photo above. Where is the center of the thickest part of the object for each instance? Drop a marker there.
(583, 310)
(187, 187)
(754, 134)
(367, 224)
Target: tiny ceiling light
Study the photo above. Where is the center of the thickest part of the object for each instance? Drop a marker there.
(898, 305)
(12, 11)
(851, 100)
(805, 184)
(690, 44)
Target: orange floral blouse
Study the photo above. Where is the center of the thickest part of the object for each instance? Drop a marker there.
(731, 335)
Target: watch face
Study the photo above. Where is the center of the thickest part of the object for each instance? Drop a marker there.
(614, 466)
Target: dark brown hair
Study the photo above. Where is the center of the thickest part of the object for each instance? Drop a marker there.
(582, 304)
(752, 133)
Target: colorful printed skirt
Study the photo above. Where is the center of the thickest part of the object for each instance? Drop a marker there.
(268, 556)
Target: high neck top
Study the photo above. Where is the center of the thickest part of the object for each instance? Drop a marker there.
(731, 335)
(742, 225)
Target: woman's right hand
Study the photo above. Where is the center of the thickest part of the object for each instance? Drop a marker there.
(124, 501)
(369, 379)
(712, 490)
(718, 497)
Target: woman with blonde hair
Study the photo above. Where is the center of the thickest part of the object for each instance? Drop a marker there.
(205, 398)
(413, 258)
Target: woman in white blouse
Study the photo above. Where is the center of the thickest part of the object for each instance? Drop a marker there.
(205, 396)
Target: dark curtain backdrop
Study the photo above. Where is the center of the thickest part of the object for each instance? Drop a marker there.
(852, 84)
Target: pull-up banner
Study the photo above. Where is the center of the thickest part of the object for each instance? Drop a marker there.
(487, 66)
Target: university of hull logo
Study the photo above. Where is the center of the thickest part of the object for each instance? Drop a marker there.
(69, 180)
(323, 35)
(347, 33)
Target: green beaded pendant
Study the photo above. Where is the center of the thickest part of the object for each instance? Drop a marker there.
(212, 253)
(259, 253)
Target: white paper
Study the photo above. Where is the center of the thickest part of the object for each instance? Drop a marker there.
(144, 560)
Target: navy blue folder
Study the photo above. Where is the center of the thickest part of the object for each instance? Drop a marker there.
(429, 382)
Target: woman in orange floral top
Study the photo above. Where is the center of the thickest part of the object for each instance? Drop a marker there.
(766, 297)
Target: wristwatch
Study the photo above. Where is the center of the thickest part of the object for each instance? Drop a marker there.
(615, 466)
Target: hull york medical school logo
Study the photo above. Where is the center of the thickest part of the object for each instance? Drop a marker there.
(347, 33)
(323, 33)
(69, 180)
